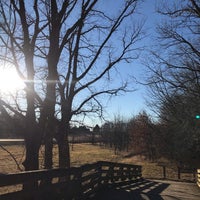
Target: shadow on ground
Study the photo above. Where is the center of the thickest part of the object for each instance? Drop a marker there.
(132, 190)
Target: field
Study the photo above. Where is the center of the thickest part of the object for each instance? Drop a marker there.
(82, 154)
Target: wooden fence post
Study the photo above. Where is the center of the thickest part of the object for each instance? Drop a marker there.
(179, 173)
(79, 182)
(164, 172)
(99, 171)
(198, 177)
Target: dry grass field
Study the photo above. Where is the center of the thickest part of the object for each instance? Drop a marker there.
(82, 154)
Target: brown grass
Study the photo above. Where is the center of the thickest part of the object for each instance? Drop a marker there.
(81, 154)
(86, 153)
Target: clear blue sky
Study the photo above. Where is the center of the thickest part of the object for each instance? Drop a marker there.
(130, 104)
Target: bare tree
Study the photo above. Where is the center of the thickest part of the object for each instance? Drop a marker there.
(143, 135)
(18, 45)
(67, 53)
(175, 71)
(89, 69)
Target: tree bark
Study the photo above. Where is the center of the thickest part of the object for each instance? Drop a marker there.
(32, 144)
(64, 153)
(63, 145)
(53, 58)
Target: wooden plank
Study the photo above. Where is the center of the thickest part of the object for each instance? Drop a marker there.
(22, 177)
(151, 189)
(90, 176)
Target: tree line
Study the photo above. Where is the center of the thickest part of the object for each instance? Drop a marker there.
(138, 136)
(154, 139)
(174, 80)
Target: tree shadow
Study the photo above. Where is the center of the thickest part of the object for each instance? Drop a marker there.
(132, 190)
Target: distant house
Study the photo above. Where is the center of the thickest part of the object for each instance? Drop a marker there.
(96, 129)
(80, 130)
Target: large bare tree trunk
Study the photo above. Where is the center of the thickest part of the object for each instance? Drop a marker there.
(64, 153)
(63, 145)
(32, 141)
(32, 135)
(48, 161)
(49, 131)
(52, 59)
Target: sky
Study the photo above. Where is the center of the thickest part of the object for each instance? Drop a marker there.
(130, 104)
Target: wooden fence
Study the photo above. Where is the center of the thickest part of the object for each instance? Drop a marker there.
(73, 183)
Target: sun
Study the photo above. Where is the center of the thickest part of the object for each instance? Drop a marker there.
(10, 82)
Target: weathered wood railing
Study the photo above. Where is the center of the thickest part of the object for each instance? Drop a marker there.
(180, 170)
(198, 177)
(74, 183)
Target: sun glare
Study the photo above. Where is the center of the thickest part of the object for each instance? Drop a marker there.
(10, 81)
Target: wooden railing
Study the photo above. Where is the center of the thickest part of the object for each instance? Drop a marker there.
(73, 183)
(198, 177)
(179, 170)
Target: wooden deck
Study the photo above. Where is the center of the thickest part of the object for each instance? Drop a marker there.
(150, 190)
(98, 181)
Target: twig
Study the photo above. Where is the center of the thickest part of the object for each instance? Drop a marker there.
(19, 168)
